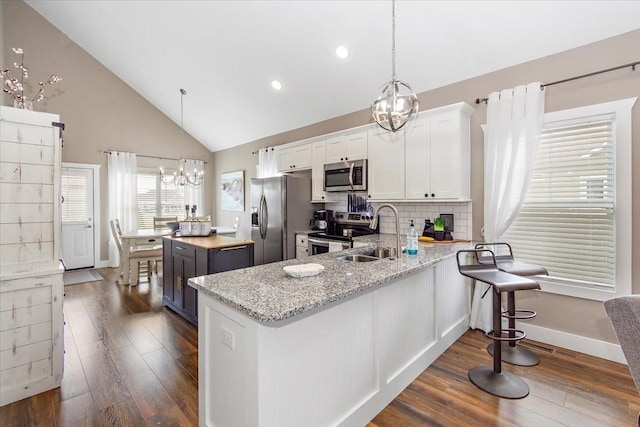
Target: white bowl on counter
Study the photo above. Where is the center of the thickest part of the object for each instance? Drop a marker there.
(303, 270)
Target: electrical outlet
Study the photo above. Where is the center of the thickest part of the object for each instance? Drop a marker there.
(228, 338)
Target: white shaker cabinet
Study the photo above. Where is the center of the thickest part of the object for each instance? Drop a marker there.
(302, 246)
(342, 148)
(31, 288)
(386, 165)
(317, 172)
(294, 158)
(437, 156)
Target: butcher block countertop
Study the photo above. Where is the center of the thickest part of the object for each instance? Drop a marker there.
(211, 242)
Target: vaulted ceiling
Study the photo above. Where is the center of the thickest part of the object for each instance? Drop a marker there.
(225, 54)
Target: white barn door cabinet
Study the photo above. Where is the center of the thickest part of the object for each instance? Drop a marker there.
(31, 288)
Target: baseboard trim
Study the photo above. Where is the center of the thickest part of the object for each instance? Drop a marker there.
(590, 346)
(101, 264)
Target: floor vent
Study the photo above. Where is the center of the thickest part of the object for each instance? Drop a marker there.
(533, 346)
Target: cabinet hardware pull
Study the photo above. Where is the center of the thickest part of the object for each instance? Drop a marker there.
(180, 248)
(179, 282)
(233, 248)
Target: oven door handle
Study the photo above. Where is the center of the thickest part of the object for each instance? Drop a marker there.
(324, 243)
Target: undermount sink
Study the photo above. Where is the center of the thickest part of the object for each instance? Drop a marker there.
(358, 258)
(368, 255)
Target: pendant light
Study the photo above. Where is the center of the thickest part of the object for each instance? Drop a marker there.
(182, 178)
(397, 102)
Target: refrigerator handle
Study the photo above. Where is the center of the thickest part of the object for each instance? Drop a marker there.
(264, 217)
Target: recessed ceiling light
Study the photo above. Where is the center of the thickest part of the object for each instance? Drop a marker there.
(342, 52)
(276, 85)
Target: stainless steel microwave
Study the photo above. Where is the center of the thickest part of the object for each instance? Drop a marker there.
(346, 176)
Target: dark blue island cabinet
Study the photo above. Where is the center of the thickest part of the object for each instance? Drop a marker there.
(187, 257)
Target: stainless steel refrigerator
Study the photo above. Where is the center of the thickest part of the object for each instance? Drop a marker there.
(279, 206)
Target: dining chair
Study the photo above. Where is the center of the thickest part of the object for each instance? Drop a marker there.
(160, 222)
(136, 255)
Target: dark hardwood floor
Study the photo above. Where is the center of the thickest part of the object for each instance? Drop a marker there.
(131, 362)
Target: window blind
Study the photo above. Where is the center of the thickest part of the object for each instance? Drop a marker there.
(157, 199)
(566, 222)
(74, 208)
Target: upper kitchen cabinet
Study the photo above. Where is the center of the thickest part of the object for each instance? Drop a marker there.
(317, 172)
(294, 158)
(342, 148)
(386, 165)
(437, 158)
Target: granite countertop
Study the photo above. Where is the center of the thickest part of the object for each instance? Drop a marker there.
(211, 242)
(266, 294)
(305, 231)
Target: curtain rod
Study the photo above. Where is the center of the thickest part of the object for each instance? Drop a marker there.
(144, 155)
(258, 150)
(542, 86)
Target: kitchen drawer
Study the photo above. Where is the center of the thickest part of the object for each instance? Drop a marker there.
(182, 249)
(301, 240)
(149, 241)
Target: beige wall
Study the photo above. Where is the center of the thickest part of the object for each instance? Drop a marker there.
(99, 110)
(573, 315)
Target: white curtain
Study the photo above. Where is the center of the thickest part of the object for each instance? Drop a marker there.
(194, 195)
(267, 163)
(514, 123)
(123, 198)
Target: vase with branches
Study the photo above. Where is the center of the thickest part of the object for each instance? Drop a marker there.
(15, 87)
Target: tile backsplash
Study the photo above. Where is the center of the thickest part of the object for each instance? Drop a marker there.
(418, 212)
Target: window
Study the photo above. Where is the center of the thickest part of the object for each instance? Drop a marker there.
(576, 218)
(75, 207)
(157, 199)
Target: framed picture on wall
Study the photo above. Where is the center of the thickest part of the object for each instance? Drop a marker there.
(232, 198)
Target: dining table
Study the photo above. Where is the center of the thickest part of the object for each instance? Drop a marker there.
(149, 238)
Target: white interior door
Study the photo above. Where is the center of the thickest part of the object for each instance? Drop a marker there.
(77, 218)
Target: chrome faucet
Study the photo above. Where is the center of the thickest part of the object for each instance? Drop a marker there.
(374, 224)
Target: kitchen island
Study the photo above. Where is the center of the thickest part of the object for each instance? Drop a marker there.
(187, 257)
(331, 349)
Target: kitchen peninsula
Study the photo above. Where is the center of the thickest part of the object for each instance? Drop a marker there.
(330, 349)
(187, 257)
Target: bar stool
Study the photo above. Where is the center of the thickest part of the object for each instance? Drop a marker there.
(494, 380)
(511, 353)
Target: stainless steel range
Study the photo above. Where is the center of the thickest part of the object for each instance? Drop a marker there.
(340, 232)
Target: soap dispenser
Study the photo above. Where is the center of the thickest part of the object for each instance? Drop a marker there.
(412, 240)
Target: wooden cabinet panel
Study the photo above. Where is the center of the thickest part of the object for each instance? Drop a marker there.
(31, 288)
(437, 158)
(318, 150)
(294, 158)
(302, 246)
(347, 147)
(386, 165)
(183, 261)
(232, 258)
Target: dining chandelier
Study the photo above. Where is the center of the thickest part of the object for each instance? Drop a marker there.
(182, 178)
(397, 102)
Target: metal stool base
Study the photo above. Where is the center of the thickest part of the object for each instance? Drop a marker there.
(504, 384)
(516, 355)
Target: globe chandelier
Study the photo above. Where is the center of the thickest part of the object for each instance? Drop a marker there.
(182, 178)
(397, 103)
